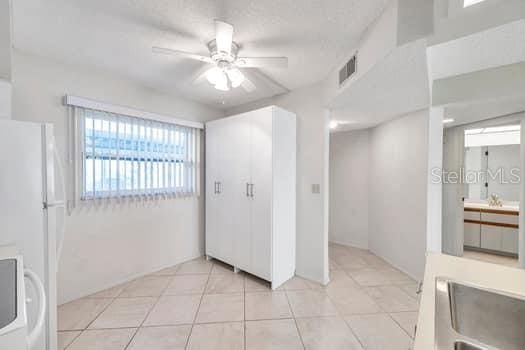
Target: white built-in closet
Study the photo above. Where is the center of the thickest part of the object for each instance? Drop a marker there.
(251, 191)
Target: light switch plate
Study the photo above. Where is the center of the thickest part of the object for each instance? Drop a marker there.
(316, 188)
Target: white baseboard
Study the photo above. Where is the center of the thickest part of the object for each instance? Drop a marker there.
(317, 279)
(377, 254)
(397, 267)
(348, 244)
(127, 279)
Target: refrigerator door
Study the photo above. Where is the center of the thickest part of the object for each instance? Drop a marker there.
(53, 209)
(26, 170)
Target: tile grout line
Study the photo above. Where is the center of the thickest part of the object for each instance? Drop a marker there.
(295, 320)
(151, 309)
(354, 333)
(75, 338)
(399, 324)
(362, 288)
(100, 313)
(198, 307)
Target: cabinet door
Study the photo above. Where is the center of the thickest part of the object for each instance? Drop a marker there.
(261, 173)
(472, 234)
(214, 211)
(237, 152)
(490, 237)
(509, 240)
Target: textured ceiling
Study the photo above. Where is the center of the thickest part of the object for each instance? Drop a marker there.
(395, 86)
(117, 36)
(495, 47)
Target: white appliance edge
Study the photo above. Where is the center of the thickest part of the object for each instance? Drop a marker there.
(28, 210)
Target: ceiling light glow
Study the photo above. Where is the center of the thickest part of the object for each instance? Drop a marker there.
(216, 76)
(223, 78)
(222, 86)
(448, 120)
(468, 3)
(334, 124)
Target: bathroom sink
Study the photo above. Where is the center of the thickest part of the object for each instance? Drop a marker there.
(470, 317)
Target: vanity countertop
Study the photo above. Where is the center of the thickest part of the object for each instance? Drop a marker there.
(507, 207)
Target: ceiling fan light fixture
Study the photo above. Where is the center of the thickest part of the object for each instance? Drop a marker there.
(216, 76)
(222, 87)
(235, 76)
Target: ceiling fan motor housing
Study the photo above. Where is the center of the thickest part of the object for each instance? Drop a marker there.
(220, 56)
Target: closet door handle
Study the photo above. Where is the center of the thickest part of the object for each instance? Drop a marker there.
(247, 190)
(251, 190)
(216, 189)
(219, 187)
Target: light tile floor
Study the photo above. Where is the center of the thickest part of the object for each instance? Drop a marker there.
(368, 305)
(492, 258)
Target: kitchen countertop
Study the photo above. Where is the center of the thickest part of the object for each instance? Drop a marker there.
(486, 275)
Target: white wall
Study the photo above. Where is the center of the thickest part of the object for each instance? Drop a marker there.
(454, 21)
(5, 99)
(106, 246)
(378, 41)
(474, 163)
(415, 20)
(5, 59)
(506, 157)
(484, 85)
(349, 188)
(398, 191)
(312, 159)
(5, 39)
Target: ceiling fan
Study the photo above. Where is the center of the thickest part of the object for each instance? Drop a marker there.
(227, 70)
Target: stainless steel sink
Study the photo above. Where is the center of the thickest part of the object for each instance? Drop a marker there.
(473, 318)
(465, 346)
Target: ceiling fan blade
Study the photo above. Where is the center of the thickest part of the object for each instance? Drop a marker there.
(170, 52)
(266, 80)
(223, 36)
(259, 62)
(248, 85)
(199, 76)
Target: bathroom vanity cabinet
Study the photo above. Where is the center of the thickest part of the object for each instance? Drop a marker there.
(492, 229)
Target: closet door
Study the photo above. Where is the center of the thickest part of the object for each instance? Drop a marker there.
(239, 200)
(261, 209)
(213, 198)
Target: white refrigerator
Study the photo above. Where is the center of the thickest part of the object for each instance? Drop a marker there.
(31, 217)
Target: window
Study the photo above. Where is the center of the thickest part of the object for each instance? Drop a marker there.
(123, 156)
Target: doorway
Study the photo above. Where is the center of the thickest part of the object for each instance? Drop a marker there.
(482, 191)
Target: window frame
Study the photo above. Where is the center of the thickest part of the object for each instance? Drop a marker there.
(78, 194)
(152, 169)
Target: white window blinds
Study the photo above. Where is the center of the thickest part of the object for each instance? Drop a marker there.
(122, 156)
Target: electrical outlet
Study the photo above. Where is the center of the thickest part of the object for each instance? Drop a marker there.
(316, 188)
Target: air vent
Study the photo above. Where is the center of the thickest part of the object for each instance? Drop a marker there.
(348, 70)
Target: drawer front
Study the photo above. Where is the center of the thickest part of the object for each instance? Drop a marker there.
(472, 215)
(509, 240)
(471, 235)
(491, 237)
(500, 218)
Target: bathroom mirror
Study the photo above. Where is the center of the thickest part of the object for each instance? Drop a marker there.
(492, 162)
